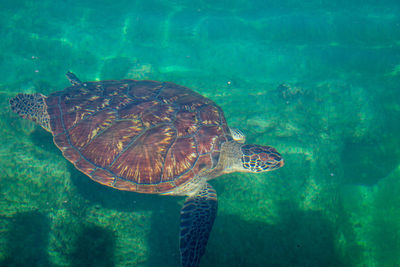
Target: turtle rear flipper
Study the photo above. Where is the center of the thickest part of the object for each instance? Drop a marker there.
(197, 218)
(73, 79)
(32, 107)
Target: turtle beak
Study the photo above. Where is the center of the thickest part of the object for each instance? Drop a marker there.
(277, 158)
(281, 163)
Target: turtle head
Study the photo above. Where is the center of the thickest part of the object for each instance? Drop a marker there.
(256, 158)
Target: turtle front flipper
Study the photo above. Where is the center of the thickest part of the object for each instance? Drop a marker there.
(238, 135)
(197, 218)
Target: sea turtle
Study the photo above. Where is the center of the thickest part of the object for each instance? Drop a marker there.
(149, 137)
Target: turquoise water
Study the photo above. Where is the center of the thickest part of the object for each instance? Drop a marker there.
(318, 80)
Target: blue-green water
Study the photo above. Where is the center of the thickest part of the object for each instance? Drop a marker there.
(336, 121)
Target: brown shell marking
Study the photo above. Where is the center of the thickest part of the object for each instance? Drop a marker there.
(210, 114)
(111, 142)
(180, 158)
(143, 161)
(143, 89)
(82, 134)
(186, 122)
(207, 138)
(139, 136)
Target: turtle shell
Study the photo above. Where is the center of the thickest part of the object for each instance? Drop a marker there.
(142, 136)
